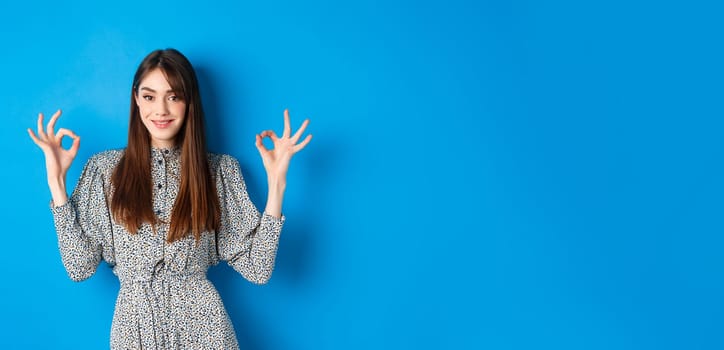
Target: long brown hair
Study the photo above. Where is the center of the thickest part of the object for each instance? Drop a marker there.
(197, 205)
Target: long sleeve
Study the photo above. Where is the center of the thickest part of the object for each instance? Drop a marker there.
(83, 225)
(246, 239)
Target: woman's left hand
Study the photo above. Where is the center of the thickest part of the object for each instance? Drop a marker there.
(276, 160)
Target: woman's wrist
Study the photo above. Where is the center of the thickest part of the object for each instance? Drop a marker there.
(57, 190)
(275, 196)
(277, 185)
(56, 183)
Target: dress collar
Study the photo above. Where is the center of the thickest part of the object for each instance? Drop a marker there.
(166, 152)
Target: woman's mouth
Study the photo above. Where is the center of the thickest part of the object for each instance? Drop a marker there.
(162, 124)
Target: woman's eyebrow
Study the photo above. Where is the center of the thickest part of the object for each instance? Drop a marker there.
(152, 90)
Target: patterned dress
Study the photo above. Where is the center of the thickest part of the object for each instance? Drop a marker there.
(165, 300)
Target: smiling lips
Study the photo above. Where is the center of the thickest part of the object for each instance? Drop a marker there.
(162, 124)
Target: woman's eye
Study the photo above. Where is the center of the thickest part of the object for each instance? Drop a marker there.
(173, 98)
(148, 98)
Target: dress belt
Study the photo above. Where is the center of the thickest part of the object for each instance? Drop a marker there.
(127, 279)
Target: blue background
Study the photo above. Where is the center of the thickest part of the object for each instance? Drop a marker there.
(483, 175)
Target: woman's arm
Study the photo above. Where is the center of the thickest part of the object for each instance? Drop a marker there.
(247, 239)
(82, 222)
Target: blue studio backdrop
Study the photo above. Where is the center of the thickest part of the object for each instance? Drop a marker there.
(483, 174)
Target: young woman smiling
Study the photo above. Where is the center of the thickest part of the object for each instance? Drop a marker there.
(163, 210)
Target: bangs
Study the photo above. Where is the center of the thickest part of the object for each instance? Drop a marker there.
(175, 80)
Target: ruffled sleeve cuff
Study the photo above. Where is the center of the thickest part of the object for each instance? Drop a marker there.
(271, 224)
(62, 210)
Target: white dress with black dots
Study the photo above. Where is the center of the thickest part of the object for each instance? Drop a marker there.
(165, 300)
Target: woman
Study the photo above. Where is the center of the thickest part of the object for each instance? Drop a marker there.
(162, 211)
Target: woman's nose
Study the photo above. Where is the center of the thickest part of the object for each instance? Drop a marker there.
(161, 108)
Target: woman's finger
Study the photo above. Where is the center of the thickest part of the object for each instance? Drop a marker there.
(51, 123)
(35, 138)
(41, 133)
(65, 132)
(76, 145)
(299, 132)
(304, 143)
(287, 127)
(270, 134)
(260, 145)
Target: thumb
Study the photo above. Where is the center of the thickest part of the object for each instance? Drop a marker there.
(260, 145)
(75, 146)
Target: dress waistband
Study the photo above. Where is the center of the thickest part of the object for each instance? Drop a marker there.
(128, 279)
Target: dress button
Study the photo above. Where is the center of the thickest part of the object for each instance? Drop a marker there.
(160, 162)
(165, 151)
(159, 185)
(158, 212)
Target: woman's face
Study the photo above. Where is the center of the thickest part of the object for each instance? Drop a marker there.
(161, 111)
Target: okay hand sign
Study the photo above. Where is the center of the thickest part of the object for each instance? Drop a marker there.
(276, 160)
(57, 159)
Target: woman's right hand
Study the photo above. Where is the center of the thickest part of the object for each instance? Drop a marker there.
(57, 159)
